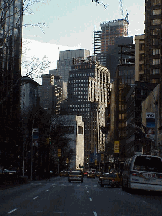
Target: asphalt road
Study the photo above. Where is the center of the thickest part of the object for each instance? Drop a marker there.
(58, 197)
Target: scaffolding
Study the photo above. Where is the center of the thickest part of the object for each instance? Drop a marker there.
(97, 42)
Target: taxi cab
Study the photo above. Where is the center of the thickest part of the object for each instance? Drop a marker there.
(91, 174)
(111, 179)
(75, 175)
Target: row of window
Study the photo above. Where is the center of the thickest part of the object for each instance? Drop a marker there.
(156, 2)
(155, 61)
(81, 74)
(156, 51)
(126, 72)
(80, 89)
(156, 71)
(81, 110)
(80, 84)
(80, 93)
(78, 81)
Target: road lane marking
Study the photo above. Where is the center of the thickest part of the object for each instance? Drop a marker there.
(35, 197)
(87, 191)
(90, 199)
(95, 214)
(47, 190)
(12, 211)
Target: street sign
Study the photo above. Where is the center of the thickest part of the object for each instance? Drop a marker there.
(116, 146)
(59, 152)
(102, 157)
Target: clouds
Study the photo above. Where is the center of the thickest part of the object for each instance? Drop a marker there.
(33, 49)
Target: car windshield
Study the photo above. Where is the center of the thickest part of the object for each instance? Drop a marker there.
(111, 175)
(75, 173)
(152, 164)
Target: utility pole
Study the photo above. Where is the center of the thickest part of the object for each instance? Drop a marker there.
(31, 176)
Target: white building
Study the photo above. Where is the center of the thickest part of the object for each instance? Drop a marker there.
(75, 134)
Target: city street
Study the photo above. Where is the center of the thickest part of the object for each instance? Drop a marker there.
(58, 197)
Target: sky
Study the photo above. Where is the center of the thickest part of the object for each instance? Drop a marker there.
(50, 26)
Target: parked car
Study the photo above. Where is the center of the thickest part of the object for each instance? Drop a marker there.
(10, 172)
(75, 175)
(64, 173)
(98, 174)
(90, 174)
(111, 179)
(85, 173)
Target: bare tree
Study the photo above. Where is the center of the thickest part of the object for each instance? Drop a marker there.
(36, 67)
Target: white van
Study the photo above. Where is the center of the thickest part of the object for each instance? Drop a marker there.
(142, 172)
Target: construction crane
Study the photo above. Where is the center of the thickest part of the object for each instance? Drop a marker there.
(122, 13)
(98, 2)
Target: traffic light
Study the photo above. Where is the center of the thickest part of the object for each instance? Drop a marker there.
(59, 152)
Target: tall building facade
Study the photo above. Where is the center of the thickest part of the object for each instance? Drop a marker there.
(139, 57)
(113, 55)
(50, 93)
(10, 77)
(29, 105)
(66, 61)
(153, 46)
(88, 96)
(105, 38)
(110, 30)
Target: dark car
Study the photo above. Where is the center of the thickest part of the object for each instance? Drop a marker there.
(64, 173)
(111, 179)
(10, 172)
(85, 173)
(75, 175)
(91, 174)
(98, 174)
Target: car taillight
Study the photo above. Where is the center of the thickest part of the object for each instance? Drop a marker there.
(159, 176)
(134, 174)
(113, 180)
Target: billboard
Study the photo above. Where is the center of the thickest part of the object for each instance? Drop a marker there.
(150, 125)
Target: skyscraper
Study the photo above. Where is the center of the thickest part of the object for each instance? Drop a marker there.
(104, 39)
(66, 61)
(153, 46)
(88, 96)
(110, 30)
(10, 77)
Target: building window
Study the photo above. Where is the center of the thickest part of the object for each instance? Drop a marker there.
(80, 130)
(142, 56)
(156, 12)
(156, 22)
(155, 41)
(141, 46)
(156, 61)
(155, 31)
(156, 2)
(156, 71)
(156, 51)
